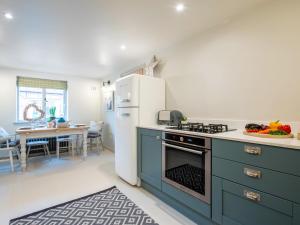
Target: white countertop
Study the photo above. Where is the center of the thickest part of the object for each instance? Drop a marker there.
(237, 135)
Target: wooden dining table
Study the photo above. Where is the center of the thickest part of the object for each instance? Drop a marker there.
(32, 133)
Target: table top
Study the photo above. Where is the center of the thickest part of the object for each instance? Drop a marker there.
(46, 129)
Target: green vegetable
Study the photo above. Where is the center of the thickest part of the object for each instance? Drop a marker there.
(278, 132)
(52, 111)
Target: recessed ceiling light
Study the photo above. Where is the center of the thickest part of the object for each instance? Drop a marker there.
(180, 7)
(8, 16)
(123, 47)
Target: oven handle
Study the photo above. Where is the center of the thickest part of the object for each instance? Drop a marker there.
(183, 143)
(183, 149)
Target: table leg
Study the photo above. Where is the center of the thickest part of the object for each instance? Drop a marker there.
(77, 143)
(23, 152)
(57, 148)
(85, 132)
(73, 142)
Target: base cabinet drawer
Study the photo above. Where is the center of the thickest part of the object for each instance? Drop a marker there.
(234, 204)
(274, 158)
(283, 185)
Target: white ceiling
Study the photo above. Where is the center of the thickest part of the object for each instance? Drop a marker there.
(83, 37)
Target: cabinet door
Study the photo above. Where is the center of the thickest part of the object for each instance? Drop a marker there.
(296, 214)
(240, 205)
(149, 151)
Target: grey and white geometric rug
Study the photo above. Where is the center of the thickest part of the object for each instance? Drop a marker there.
(108, 207)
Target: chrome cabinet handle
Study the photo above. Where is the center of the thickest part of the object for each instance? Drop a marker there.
(252, 150)
(158, 137)
(252, 196)
(252, 173)
(125, 114)
(125, 100)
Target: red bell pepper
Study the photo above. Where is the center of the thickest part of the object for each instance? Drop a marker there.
(285, 128)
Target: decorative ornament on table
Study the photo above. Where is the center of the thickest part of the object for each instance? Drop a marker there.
(62, 123)
(152, 68)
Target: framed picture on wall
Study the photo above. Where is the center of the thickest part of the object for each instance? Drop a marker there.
(109, 101)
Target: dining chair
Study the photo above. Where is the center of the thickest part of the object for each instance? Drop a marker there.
(68, 141)
(95, 133)
(9, 145)
(38, 144)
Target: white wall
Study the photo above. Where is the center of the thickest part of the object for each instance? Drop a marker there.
(84, 97)
(247, 69)
(108, 116)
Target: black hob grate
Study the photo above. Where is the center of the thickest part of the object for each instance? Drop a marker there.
(202, 128)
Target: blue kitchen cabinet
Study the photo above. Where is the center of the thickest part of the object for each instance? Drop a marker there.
(235, 204)
(150, 156)
(296, 213)
(254, 184)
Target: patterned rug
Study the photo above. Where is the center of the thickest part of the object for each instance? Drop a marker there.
(108, 207)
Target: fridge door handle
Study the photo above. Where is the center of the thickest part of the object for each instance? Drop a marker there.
(125, 100)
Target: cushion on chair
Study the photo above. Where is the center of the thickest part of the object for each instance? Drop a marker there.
(34, 143)
(93, 135)
(64, 139)
(10, 144)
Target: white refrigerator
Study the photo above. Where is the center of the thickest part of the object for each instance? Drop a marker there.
(138, 100)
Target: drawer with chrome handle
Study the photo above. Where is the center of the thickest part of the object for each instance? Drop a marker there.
(264, 156)
(252, 196)
(252, 173)
(252, 150)
(269, 181)
(252, 204)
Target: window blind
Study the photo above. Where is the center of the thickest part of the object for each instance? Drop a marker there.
(41, 83)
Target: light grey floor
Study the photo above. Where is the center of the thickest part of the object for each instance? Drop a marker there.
(50, 181)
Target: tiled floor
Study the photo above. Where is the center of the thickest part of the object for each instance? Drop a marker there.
(49, 181)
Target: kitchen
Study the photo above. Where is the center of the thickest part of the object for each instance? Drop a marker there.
(205, 170)
(195, 165)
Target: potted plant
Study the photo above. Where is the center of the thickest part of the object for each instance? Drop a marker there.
(52, 111)
(52, 119)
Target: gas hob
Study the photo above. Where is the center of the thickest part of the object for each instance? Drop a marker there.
(202, 128)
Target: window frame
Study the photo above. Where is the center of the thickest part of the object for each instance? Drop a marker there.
(18, 120)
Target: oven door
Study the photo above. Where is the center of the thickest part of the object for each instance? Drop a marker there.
(188, 169)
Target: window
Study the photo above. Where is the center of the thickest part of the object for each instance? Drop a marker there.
(44, 93)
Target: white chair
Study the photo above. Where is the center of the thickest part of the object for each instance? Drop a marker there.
(68, 140)
(36, 143)
(95, 133)
(9, 146)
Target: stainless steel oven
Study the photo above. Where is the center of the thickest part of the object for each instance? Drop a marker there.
(186, 164)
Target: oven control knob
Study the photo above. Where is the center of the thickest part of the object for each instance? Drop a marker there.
(181, 139)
